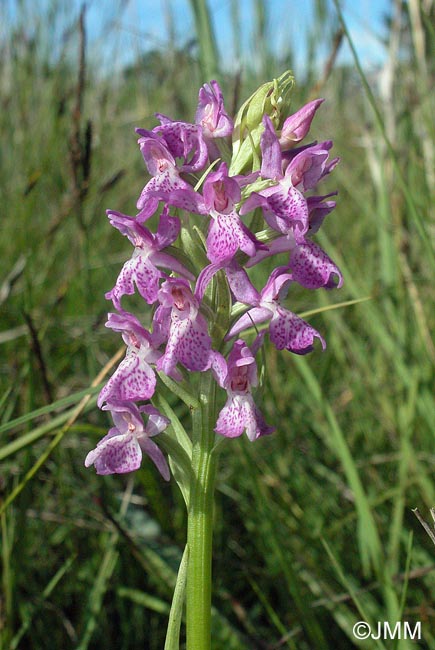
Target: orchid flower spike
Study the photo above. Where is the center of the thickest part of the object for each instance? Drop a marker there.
(188, 280)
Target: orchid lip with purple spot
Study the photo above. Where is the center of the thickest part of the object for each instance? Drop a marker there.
(120, 451)
(240, 412)
(143, 269)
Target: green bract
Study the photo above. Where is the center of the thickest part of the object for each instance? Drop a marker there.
(273, 99)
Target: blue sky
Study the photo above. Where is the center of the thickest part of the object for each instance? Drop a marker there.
(143, 24)
(124, 28)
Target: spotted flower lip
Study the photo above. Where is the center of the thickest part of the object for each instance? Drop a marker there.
(134, 379)
(286, 330)
(227, 233)
(188, 341)
(121, 450)
(308, 264)
(240, 412)
(312, 268)
(142, 270)
(284, 207)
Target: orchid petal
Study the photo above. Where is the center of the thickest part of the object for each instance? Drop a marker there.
(282, 244)
(156, 421)
(161, 321)
(188, 343)
(168, 229)
(133, 334)
(156, 455)
(168, 262)
(219, 368)
(240, 414)
(140, 272)
(289, 332)
(318, 209)
(312, 267)
(205, 277)
(271, 164)
(156, 154)
(252, 317)
(277, 284)
(309, 166)
(221, 191)
(185, 141)
(133, 380)
(129, 227)
(240, 284)
(211, 114)
(116, 454)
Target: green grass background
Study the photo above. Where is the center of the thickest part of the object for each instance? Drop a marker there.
(314, 529)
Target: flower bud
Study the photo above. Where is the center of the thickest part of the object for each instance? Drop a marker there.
(272, 98)
(296, 126)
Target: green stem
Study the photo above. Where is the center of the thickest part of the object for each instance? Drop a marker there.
(208, 51)
(200, 521)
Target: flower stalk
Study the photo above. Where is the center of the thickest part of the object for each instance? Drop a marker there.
(200, 521)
